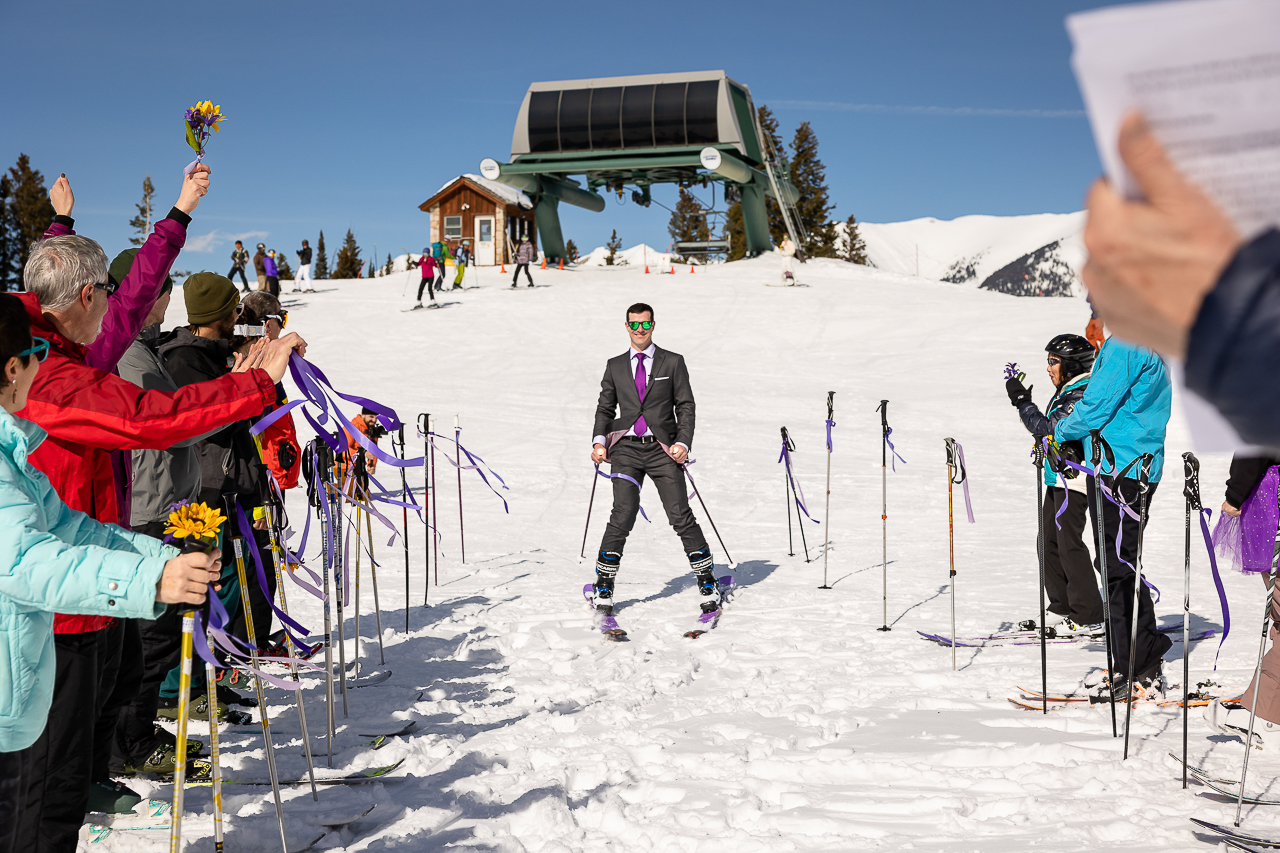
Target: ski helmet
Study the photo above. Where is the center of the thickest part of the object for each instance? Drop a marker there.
(1076, 352)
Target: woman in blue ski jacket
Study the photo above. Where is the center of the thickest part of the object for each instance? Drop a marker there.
(1128, 400)
(1072, 588)
(53, 558)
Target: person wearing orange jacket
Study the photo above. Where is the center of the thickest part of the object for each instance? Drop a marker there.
(89, 412)
(367, 424)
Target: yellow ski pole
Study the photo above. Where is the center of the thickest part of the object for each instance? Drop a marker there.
(184, 713)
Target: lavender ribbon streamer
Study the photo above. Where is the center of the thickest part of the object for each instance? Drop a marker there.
(251, 544)
(888, 432)
(473, 459)
(968, 505)
(1205, 515)
(830, 424)
(630, 480)
(785, 457)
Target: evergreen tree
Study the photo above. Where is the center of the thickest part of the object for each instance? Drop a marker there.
(688, 220)
(321, 267)
(284, 272)
(8, 245)
(852, 247)
(348, 262)
(571, 250)
(142, 222)
(30, 212)
(814, 207)
(390, 266)
(614, 246)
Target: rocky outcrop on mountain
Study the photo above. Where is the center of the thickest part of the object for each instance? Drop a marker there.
(1043, 272)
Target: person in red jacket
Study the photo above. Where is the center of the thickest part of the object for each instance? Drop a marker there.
(89, 412)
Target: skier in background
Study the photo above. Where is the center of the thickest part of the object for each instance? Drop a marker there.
(258, 266)
(1069, 578)
(304, 270)
(272, 272)
(428, 268)
(440, 252)
(788, 250)
(461, 258)
(239, 257)
(525, 255)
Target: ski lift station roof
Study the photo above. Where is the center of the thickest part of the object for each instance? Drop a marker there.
(647, 111)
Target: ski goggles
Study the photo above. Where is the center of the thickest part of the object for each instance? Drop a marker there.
(282, 318)
(1053, 359)
(39, 348)
(636, 325)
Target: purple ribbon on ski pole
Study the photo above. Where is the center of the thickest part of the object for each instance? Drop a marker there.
(888, 432)
(830, 424)
(473, 459)
(1205, 515)
(785, 457)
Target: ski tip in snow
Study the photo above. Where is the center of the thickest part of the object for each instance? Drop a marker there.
(339, 823)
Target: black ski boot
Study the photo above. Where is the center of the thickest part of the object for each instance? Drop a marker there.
(703, 571)
(606, 572)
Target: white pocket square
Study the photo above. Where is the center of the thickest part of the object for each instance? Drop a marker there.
(660, 378)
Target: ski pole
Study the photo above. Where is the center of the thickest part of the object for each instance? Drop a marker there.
(184, 713)
(827, 519)
(1044, 649)
(1098, 444)
(1257, 678)
(404, 498)
(339, 567)
(424, 427)
(1144, 463)
(373, 579)
(215, 753)
(883, 409)
(582, 555)
(457, 444)
(238, 544)
(786, 497)
(787, 447)
(435, 514)
(710, 520)
(950, 444)
(321, 456)
(289, 647)
(1191, 473)
(353, 478)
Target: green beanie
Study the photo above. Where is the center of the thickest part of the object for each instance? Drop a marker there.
(209, 297)
(120, 268)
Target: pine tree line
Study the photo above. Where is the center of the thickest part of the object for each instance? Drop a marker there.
(25, 214)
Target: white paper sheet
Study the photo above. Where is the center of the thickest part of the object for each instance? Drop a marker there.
(1206, 75)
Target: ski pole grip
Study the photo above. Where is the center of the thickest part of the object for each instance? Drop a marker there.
(884, 415)
(423, 422)
(831, 405)
(455, 422)
(1099, 441)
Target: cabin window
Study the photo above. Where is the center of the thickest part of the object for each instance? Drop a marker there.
(452, 227)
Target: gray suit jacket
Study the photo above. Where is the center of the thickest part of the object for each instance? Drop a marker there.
(668, 406)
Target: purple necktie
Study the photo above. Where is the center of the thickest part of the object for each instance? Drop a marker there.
(641, 381)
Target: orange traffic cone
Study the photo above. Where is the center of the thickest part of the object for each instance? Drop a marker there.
(504, 267)
(544, 262)
(562, 263)
(646, 269)
(690, 269)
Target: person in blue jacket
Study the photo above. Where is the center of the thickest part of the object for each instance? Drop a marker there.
(53, 558)
(1069, 579)
(1128, 399)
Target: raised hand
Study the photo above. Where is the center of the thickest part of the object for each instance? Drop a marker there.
(195, 186)
(61, 196)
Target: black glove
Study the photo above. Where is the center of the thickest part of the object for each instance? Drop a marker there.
(1017, 393)
(1072, 451)
(286, 456)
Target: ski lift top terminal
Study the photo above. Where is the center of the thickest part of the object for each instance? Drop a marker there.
(637, 131)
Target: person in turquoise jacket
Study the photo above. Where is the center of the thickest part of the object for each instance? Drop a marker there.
(55, 559)
(1128, 399)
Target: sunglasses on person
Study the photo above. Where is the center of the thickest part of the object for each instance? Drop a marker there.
(39, 348)
(282, 318)
(109, 286)
(635, 325)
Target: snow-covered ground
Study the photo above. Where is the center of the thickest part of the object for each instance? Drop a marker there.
(795, 725)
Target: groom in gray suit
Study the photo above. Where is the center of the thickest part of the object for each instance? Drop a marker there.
(648, 389)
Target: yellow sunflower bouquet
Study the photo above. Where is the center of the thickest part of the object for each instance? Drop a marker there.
(202, 121)
(194, 526)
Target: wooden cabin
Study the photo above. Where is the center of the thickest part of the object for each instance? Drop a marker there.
(493, 216)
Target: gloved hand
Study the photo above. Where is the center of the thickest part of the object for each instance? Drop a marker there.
(1017, 393)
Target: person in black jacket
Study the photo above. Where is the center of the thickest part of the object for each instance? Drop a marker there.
(1069, 578)
(229, 459)
(304, 270)
(239, 257)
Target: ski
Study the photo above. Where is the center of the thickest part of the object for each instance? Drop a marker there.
(1033, 640)
(1253, 801)
(369, 774)
(1035, 703)
(1234, 834)
(708, 621)
(333, 824)
(1202, 774)
(1032, 634)
(606, 625)
(403, 730)
(354, 681)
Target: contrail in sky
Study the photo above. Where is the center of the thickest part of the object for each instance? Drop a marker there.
(835, 106)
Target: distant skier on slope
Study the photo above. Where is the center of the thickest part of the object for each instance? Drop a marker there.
(461, 257)
(427, 265)
(648, 388)
(788, 250)
(1069, 578)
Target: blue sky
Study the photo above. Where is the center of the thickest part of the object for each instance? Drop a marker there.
(345, 115)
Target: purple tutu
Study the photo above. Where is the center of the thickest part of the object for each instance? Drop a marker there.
(1250, 540)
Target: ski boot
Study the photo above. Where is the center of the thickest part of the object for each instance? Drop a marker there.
(709, 592)
(600, 595)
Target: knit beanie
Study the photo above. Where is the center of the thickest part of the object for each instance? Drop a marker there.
(209, 297)
(120, 268)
